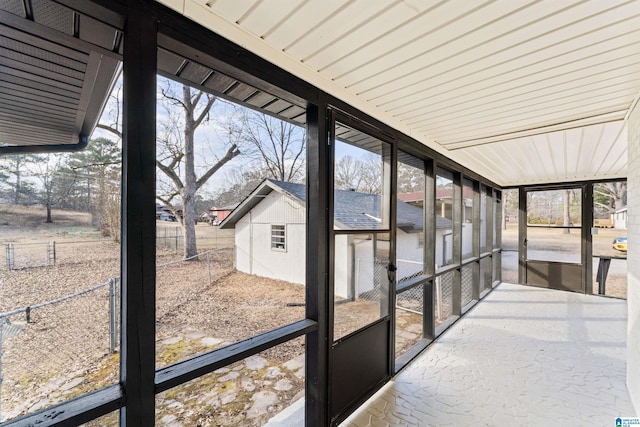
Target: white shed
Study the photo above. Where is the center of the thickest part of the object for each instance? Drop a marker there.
(619, 218)
(270, 237)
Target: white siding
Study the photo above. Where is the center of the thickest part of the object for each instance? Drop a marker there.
(243, 246)
(288, 265)
(444, 240)
(343, 266)
(278, 208)
(254, 254)
(407, 247)
(363, 269)
(467, 239)
(633, 263)
(620, 220)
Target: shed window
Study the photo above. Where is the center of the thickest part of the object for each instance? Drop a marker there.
(278, 237)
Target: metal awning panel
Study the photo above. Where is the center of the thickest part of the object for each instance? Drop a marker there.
(57, 68)
(208, 78)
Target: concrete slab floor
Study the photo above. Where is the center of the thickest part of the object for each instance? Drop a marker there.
(523, 356)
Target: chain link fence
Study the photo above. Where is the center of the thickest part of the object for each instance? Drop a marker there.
(171, 238)
(467, 284)
(59, 349)
(55, 350)
(26, 255)
(19, 256)
(444, 297)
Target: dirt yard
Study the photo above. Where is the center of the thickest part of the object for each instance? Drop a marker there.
(62, 351)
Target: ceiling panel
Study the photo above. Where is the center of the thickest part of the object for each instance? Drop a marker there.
(569, 155)
(518, 75)
(264, 17)
(483, 53)
(293, 30)
(490, 84)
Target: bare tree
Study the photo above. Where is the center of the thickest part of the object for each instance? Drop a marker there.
(610, 196)
(410, 178)
(111, 119)
(186, 111)
(278, 145)
(362, 175)
(46, 171)
(509, 204)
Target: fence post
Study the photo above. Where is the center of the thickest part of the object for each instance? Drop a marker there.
(51, 253)
(10, 256)
(2, 320)
(112, 315)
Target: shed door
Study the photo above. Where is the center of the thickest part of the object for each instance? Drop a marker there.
(360, 356)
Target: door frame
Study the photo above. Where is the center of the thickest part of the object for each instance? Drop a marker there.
(344, 395)
(586, 250)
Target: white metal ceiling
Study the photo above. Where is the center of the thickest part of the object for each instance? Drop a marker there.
(520, 91)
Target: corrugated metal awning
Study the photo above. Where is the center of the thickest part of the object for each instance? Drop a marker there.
(57, 68)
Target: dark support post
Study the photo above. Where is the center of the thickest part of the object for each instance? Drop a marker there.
(317, 279)
(137, 364)
(489, 225)
(429, 323)
(457, 243)
(498, 231)
(587, 238)
(522, 236)
(476, 241)
(391, 177)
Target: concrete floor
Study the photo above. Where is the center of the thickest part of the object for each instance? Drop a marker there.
(522, 357)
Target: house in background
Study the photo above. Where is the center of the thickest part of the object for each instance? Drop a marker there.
(619, 218)
(220, 214)
(164, 213)
(444, 209)
(270, 233)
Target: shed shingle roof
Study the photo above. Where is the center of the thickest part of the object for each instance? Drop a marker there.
(352, 209)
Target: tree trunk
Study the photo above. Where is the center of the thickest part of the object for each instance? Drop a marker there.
(49, 220)
(18, 183)
(189, 191)
(504, 216)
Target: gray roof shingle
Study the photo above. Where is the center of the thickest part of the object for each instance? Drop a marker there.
(360, 210)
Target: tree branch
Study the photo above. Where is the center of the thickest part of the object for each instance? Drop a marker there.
(171, 174)
(110, 129)
(231, 153)
(205, 111)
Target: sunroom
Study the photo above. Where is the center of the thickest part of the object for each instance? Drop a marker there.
(499, 123)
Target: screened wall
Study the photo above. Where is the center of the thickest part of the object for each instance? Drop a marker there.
(321, 241)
